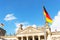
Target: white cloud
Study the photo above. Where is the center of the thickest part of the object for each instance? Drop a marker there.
(56, 23)
(9, 17)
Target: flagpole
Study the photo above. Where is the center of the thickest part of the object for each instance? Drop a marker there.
(45, 32)
(44, 21)
(45, 25)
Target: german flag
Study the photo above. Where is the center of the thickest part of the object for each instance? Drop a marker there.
(48, 19)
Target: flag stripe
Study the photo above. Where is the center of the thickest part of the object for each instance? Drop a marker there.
(48, 19)
(47, 15)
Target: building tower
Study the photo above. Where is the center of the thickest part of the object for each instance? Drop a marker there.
(48, 31)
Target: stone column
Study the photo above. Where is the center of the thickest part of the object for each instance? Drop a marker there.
(49, 37)
(27, 37)
(38, 37)
(21, 38)
(33, 37)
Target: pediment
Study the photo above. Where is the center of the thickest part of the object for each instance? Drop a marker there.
(29, 30)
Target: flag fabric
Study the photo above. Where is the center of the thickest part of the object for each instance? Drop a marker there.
(48, 19)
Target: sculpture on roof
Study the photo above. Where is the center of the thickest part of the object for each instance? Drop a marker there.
(2, 31)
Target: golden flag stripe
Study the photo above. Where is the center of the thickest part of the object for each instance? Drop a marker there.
(48, 20)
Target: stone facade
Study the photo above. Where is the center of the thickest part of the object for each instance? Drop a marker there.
(31, 33)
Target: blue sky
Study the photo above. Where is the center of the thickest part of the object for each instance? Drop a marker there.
(26, 11)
